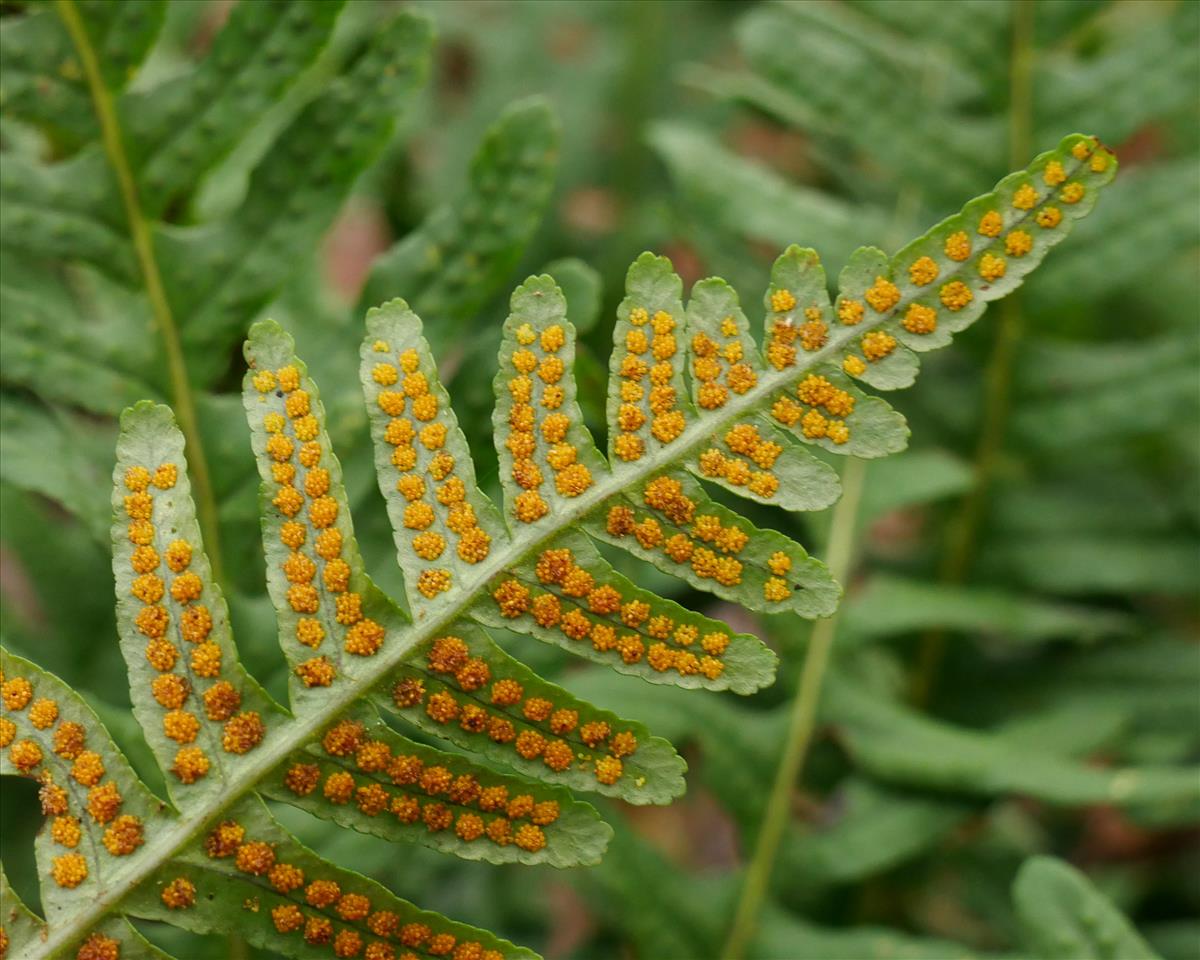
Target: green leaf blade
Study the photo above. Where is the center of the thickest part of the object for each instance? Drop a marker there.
(754, 459)
(44, 80)
(443, 525)
(105, 819)
(244, 874)
(179, 130)
(230, 270)
(460, 254)
(202, 713)
(332, 619)
(546, 453)
(571, 597)
(463, 688)
(673, 524)
(1064, 916)
(403, 791)
(898, 745)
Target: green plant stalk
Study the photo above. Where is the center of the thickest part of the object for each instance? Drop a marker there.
(181, 391)
(964, 526)
(801, 724)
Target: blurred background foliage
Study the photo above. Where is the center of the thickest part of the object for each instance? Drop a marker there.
(1016, 670)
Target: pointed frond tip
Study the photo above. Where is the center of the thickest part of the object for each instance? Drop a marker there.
(694, 401)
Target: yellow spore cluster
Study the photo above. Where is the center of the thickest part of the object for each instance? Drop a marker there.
(649, 400)
(923, 271)
(162, 570)
(425, 794)
(876, 345)
(537, 396)
(919, 319)
(850, 311)
(436, 509)
(744, 458)
(992, 267)
(99, 947)
(309, 529)
(674, 528)
(882, 295)
(179, 894)
(816, 394)
(567, 599)
(324, 913)
(957, 246)
(991, 224)
(955, 295)
(466, 691)
(718, 366)
(786, 329)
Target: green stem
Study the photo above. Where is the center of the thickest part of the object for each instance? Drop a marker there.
(139, 229)
(801, 725)
(964, 527)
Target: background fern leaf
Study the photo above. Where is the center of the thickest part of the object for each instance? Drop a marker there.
(463, 251)
(59, 99)
(1064, 915)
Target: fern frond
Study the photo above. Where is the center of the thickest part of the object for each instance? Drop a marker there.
(368, 771)
(184, 128)
(692, 399)
(104, 821)
(457, 659)
(290, 199)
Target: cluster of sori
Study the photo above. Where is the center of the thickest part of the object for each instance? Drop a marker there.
(177, 610)
(38, 739)
(438, 514)
(814, 392)
(312, 532)
(537, 396)
(648, 354)
(721, 368)
(322, 912)
(99, 947)
(417, 790)
(821, 411)
(666, 497)
(460, 687)
(746, 461)
(784, 332)
(565, 597)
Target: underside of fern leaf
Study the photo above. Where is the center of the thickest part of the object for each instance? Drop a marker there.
(693, 401)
